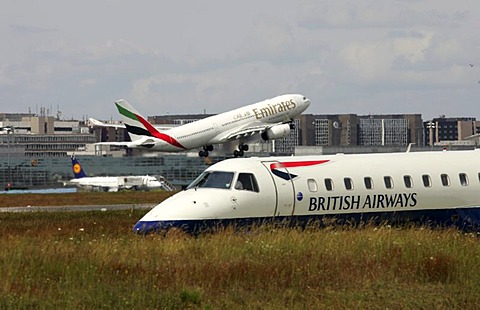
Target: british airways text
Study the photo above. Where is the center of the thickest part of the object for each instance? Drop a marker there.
(357, 202)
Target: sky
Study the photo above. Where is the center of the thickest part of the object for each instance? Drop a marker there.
(188, 57)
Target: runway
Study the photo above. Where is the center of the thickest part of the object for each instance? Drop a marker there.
(79, 208)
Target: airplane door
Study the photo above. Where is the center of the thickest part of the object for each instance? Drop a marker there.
(285, 191)
(215, 127)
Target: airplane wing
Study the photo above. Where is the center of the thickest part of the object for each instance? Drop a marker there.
(97, 123)
(252, 129)
(116, 143)
(248, 131)
(165, 127)
(142, 142)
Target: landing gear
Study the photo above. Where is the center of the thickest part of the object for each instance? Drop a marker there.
(242, 148)
(206, 149)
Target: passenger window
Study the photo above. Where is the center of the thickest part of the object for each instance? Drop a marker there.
(427, 182)
(464, 179)
(329, 184)
(312, 185)
(388, 182)
(368, 182)
(408, 181)
(247, 182)
(445, 179)
(348, 184)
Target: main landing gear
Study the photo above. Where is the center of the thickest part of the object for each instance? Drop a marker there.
(206, 149)
(242, 148)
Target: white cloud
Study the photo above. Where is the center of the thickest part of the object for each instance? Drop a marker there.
(375, 61)
(346, 56)
(378, 14)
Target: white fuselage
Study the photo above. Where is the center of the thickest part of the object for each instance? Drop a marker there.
(440, 186)
(113, 184)
(218, 128)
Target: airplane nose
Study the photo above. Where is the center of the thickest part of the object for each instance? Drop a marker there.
(306, 101)
(145, 228)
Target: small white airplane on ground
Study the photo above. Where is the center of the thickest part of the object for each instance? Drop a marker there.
(113, 184)
(268, 120)
(434, 188)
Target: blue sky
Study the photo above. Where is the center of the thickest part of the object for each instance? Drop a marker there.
(363, 57)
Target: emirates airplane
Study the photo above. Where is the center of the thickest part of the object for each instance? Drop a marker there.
(268, 120)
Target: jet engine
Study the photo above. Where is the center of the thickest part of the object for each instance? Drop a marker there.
(276, 132)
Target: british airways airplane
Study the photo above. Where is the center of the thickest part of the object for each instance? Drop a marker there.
(441, 188)
(268, 120)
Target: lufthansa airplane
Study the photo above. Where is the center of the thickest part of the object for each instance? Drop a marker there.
(441, 188)
(112, 184)
(268, 120)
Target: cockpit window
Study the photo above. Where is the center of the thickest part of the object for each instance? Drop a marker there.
(246, 181)
(213, 179)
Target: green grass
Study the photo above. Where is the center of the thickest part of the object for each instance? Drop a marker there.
(83, 198)
(93, 260)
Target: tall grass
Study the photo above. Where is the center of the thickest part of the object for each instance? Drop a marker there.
(83, 198)
(93, 260)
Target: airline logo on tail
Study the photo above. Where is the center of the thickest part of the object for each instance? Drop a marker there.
(77, 169)
(280, 169)
(138, 125)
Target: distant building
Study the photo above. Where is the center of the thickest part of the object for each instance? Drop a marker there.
(56, 145)
(390, 130)
(442, 129)
(328, 130)
(287, 144)
(41, 136)
(361, 130)
(110, 134)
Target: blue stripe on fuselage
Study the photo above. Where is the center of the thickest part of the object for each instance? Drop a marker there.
(463, 218)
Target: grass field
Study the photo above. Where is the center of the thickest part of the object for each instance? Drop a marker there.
(82, 198)
(93, 260)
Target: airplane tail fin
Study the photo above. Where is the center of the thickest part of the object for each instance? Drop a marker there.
(137, 126)
(140, 130)
(77, 169)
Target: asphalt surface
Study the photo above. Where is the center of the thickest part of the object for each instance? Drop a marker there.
(78, 208)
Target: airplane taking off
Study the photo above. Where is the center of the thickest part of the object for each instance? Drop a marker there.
(112, 184)
(434, 188)
(268, 120)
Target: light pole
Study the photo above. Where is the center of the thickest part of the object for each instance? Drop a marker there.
(9, 133)
(431, 126)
